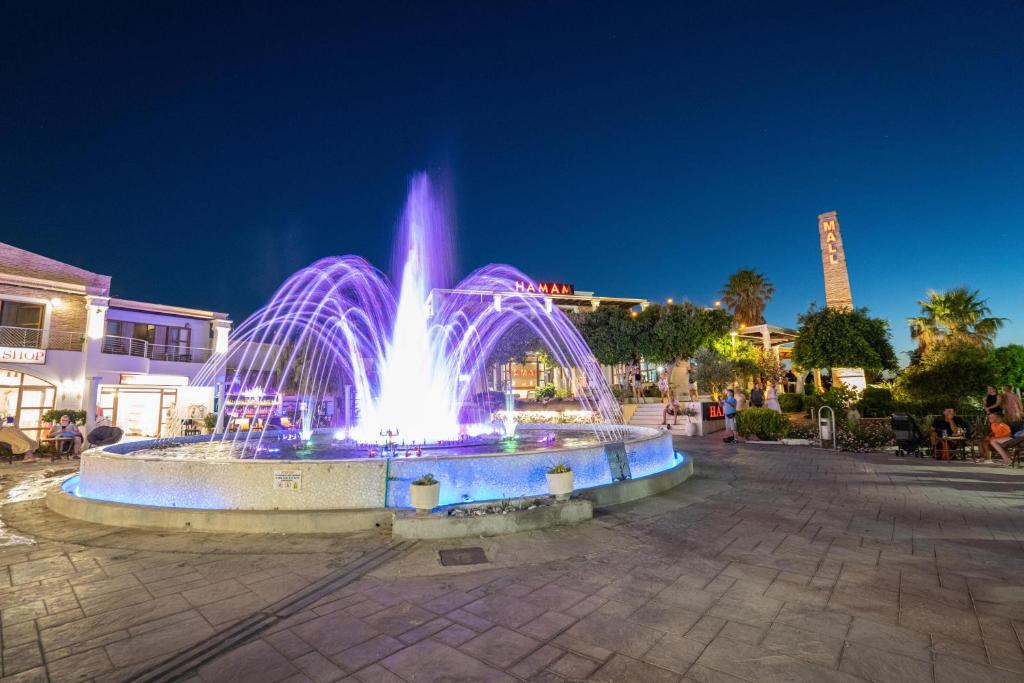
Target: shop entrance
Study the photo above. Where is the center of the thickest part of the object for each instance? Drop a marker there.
(139, 411)
(25, 398)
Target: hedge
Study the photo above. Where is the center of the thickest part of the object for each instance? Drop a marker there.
(791, 403)
(764, 423)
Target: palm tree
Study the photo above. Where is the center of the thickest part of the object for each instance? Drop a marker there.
(746, 293)
(956, 315)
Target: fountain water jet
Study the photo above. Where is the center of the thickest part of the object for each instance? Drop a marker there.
(414, 361)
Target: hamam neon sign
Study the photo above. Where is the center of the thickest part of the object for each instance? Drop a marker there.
(543, 287)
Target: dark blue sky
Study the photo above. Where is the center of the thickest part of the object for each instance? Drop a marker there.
(200, 155)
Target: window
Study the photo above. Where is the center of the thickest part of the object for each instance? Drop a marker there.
(25, 398)
(18, 314)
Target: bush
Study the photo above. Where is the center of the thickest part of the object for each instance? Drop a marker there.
(76, 416)
(876, 402)
(210, 420)
(652, 391)
(840, 399)
(621, 393)
(765, 424)
(545, 392)
(802, 430)
(791, 403)
(864, 436)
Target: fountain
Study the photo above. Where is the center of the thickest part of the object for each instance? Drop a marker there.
(359, 387)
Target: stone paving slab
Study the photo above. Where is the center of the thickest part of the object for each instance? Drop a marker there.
(769, 564)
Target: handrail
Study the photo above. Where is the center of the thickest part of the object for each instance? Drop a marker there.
(40, 338)
(124, 346)
(22, 337)
(178, 352)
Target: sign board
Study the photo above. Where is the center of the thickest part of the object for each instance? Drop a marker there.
(618, 463)
(711, 411)
(12, 354)
(531, 287)
(288, 480)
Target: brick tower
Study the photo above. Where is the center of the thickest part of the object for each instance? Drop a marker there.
(833, 263)
(837, 285)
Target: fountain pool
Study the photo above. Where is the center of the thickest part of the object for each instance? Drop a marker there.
(418, 367)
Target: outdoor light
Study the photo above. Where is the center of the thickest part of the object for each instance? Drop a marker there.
(56, 301)
(669, 300)
(717, 304)
(633, 314)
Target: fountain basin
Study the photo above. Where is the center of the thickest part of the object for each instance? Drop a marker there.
(115, 474)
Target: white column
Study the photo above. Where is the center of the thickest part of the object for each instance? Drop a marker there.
(221, 330)
(91, 401)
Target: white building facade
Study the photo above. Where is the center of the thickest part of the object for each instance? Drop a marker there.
(65, 343)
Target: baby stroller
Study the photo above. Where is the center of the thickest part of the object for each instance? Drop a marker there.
(908, 434)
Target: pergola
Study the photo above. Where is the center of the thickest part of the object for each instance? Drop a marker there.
(769, 337)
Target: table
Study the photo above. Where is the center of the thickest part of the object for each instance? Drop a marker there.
(56, 440)
(949, 443)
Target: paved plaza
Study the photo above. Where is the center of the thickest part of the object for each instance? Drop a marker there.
(771, 564)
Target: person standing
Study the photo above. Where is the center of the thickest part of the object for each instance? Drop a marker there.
(638, 384)
(663, 387)
(993, 401)
(1011, 405)
(772, 400)
(729, 409)
(741, 400)
(757, 396)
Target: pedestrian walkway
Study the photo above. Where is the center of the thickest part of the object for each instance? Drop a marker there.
(770, 564)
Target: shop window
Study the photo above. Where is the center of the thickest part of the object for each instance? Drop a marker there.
(26, 399)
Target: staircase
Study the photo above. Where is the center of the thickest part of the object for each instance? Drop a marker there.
(648, 415)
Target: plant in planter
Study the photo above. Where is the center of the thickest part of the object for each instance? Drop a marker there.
(210, 422)
(560, 481)
(424, 493)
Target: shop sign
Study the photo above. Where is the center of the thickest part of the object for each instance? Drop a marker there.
(288, 480)
(531, 287)
(830, 232)
(712, 411)
(11, 354)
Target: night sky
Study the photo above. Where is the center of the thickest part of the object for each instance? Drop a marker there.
(200, 156)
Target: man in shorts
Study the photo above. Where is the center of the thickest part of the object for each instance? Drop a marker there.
(729, 408)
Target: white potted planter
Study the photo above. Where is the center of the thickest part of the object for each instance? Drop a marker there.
(560, 481)
(424, 494)
(691, 427)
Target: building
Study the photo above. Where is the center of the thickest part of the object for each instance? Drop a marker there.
(66, 343)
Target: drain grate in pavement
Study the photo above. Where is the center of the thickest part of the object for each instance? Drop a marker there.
(454, 557)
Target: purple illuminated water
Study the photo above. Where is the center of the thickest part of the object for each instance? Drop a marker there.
(413, 355)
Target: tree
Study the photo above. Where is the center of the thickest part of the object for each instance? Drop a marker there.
(957, 315)
(746, 293)
(1008, 363)
(668, 334)
(611, 332)
(713, 370)
(835, 338)
(947, 375)
(514, 345)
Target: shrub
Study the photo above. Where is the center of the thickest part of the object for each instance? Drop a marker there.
(791, 403)
(425, 480)
(210, 420)
(840, 399)
(76, 416)
(763, 423)
(875, 402)
(802, 430)
(546, 392)
(560, 468)
(621, 393)
(652, 391)
(865, 435)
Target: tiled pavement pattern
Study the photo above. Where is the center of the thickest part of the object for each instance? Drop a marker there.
(770, 565)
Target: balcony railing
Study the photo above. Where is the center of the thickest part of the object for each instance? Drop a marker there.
(129, 346)
(34, 338)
